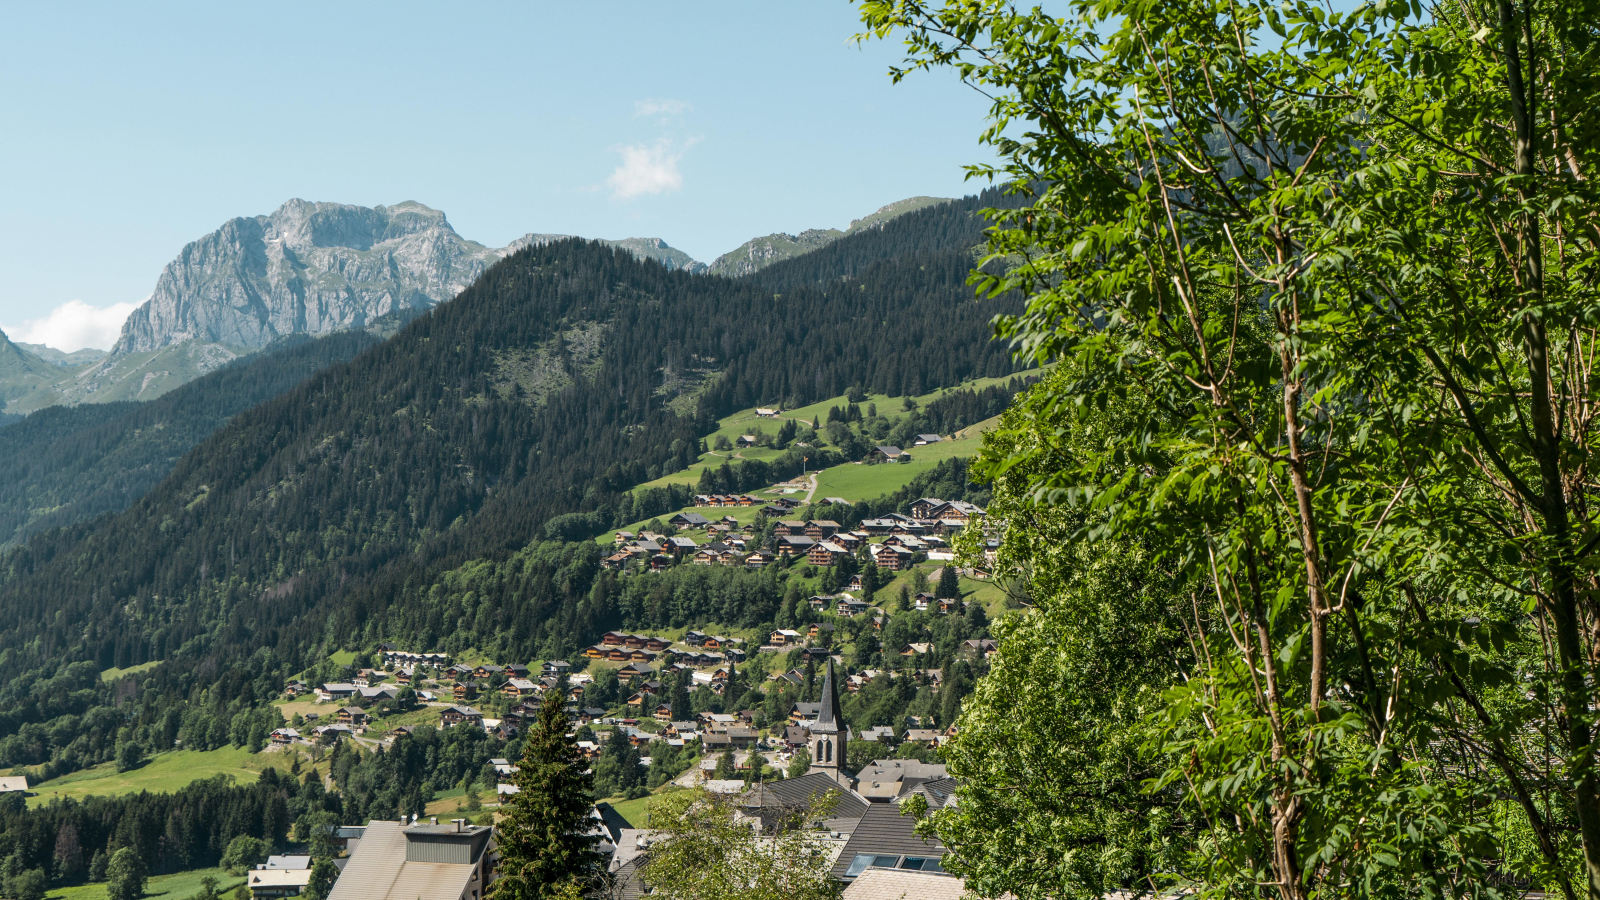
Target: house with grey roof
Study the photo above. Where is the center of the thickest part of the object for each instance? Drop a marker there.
(418, 862)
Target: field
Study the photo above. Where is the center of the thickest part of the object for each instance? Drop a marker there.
(163, 772)
(746, 421)
(114, 674)
(176, 886)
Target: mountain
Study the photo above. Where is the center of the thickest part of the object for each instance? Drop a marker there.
(335, 513)
(758, 253)
(643, 248)
(23, 376)
(61, 358)
(307, 268)
(65, 464)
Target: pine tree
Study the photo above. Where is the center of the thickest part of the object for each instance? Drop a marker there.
(544, 840)
(949, 587)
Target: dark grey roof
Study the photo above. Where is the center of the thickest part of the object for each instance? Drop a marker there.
(882, 830)
(801, 790)
(938, 791)
(829, 718)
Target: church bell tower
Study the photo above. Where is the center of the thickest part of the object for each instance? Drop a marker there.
(829, 735)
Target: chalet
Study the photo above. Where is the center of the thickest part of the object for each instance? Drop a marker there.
(850, 607)
(924, 508)
(772, 511)
(817, 629)
(734, 655)
(294, 689)
(709, 555)
(745, 441)
(821, 528)
(788, 545)
(924, 600)
(918, 649)
(660, 562)
(713, 642)
(555, 667)
(768, 413)
(892, 558)
(977, 647)
(783, 637)
(816, 654)
(826, 553)
(732, 739)
(333, 732)
(820, 602)
(377, 694)
(925, 439)
(352, 716)
(795, 737)
(793, 678)
(635, 670)
(516, 670)
(464, 691)
(688, 520)
(519, 687)
(403, 676)
(927, 736)
(848, 541)
(663, 712)
(619, 654)
(878, 622)
(643, 656)
(616, 561)
(758, 559)
(694, 638)
(622, 537)
(595, 652)
(882, 734)
(457, 715)
(948, 605)
(283, 737)
(336, 691)
(681, 729)
(804, 712)
(486, 671)
(614, 637)
(837, 501)
(885, 453)
(793, 527)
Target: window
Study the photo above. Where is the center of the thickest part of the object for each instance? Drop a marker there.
(922, 864)
(865, 860)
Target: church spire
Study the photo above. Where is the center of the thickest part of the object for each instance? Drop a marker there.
(829, 719)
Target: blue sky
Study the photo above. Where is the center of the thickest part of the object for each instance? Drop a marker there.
(133, 129)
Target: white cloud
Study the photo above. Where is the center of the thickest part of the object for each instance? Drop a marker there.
(74, 325)
(657, 106)
(647, 169)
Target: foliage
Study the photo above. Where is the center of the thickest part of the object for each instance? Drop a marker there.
(125, 876)
(70, 463)
(544, 839)
(323, 874)
(243, 853)
(1344, 275)
(704, 850)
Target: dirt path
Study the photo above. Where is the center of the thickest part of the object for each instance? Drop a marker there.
(813, 489)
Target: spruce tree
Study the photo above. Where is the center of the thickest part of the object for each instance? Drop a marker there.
(544, 841)
(949, 587)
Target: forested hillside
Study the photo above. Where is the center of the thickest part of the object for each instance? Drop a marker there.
(567, 374)
(69, 463)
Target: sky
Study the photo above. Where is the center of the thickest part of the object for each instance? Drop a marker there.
(133, 129)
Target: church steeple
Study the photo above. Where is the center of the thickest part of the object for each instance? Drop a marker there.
(830, 734)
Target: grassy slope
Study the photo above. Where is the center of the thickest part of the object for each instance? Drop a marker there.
(176, 886)
(114, 674)
(164, 772)
(850, 481)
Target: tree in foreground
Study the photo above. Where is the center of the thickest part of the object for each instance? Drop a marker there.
(705, 849)
(125, 875)
(323, 874)
(1334, 272)
(545, 841)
